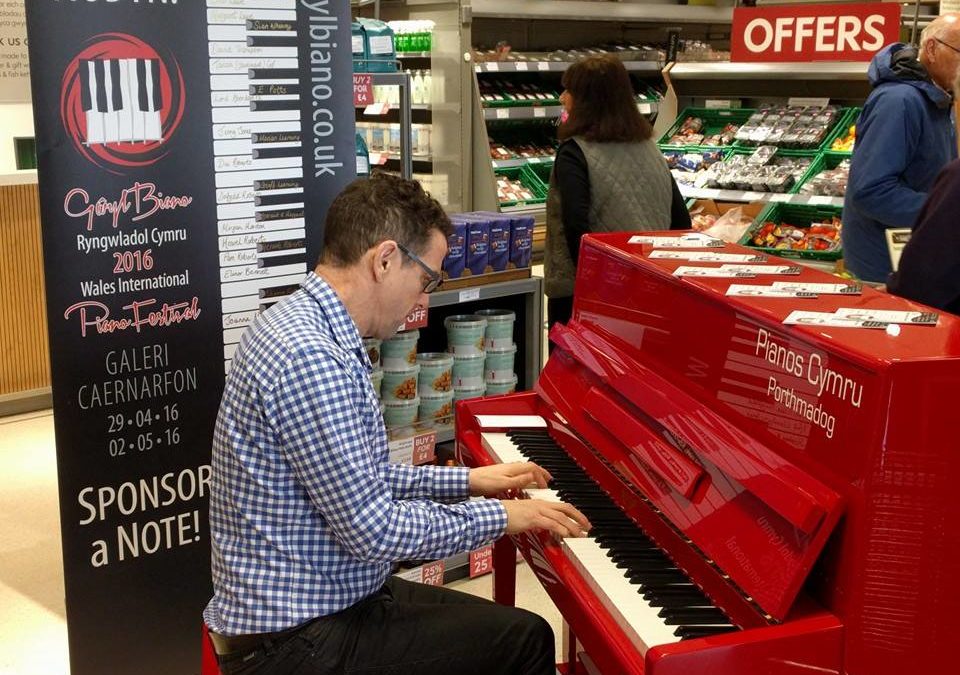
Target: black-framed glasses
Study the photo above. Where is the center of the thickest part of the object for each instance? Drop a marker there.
(947, 44)
(434, 279)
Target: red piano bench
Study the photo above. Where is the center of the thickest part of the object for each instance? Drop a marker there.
(208, 658)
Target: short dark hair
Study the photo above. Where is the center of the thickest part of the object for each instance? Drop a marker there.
(375, 209)
(604, 109)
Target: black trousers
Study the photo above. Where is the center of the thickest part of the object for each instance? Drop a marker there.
(409, 628)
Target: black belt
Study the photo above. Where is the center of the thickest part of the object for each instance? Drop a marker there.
(230, 647)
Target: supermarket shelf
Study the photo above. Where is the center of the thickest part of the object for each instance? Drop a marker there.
(486, 292)
(547, 112)
(769, 71)
(556, 66)
(522, 161)
(578, 10)
(414, 55)
(744, 196)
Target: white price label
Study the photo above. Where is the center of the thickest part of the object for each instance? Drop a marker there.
(752, 196)
(503, 113)
(493, 67)
(522, 65)
(539, 111)
(469, 294)
(645, 108)
(543, 65)
(820, 200)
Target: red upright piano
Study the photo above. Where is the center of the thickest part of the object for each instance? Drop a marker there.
(767, 498)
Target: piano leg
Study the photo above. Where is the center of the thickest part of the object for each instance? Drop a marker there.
(504, 571)
(570, 649)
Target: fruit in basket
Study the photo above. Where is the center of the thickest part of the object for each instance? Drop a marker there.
(845, 143)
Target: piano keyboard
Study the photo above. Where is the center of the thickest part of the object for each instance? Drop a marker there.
(121, 99)
(655, 602)
(255, 90)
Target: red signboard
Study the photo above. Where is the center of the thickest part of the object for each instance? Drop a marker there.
(417, 318)
(813, 32)
(362, 90)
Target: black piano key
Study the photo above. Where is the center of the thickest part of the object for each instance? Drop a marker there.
(274, 74)
(278, 291)
(117, 89)
(278, 260)
(84, 69)
(260, 137)
(686, 616)
(277, 184)
(264, 25)
(279, 214)
(693, 632)
(273, 153)
(282, 245)
(274, 105)
(276, 200)
(644, 577)
(101, 89)
(271, 40)
(154, 66)
(692, 600)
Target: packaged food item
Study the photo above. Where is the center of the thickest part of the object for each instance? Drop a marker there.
(499, 331)
(797, 127)
(436, 372)
(400, 351)
(783, 236)
(465, 334)
(830, 182)
(400, 384)
(846, 142)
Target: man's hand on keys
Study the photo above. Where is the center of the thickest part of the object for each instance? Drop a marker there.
(560, 518)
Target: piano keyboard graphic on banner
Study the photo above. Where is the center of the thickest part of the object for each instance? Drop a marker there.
(255, 91)
(121, 99)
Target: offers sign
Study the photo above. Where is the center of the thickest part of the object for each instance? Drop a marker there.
(813, 32)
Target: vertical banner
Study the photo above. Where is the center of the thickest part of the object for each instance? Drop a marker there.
(188, 151)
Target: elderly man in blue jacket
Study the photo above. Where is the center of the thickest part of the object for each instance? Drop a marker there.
(905, 136)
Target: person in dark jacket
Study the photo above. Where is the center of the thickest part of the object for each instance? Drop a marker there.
(929, 270)
(608, 175)
(905, 136)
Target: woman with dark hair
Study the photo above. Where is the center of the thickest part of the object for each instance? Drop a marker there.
(608, 175)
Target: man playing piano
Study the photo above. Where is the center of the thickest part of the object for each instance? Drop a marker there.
(307, 517)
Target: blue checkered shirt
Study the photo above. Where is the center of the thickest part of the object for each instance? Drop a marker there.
(307, 516)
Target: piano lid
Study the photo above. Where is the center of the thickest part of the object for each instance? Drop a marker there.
(760, 519)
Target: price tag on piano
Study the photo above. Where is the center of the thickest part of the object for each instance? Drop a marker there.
(539, 111)
(790, 270)
(362, 90)
(746, 291)
(707, 256)
(381, 108)
(481, 561)
(831, 320)
(889, 316)
(417, 318)
(712, 272)
(820, 289)
(432, 573)
(694, 240)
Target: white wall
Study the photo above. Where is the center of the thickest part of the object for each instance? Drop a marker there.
(16, 120)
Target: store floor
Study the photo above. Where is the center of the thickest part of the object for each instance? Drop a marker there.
(33, 631)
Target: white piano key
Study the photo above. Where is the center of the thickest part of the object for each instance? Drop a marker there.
(250, 241)
(241, 303)
(249, 225)
(239, 319)
(152, 127)
(546, 494)
(236, 210)
(246, 163)
(227, 365)
(239, 15)
(233, 287)
(501, 448)
(239, 82)
(241, 114)
(239, 257)
(95, 127)
(241, 146)
(126, 110)
(233, 335)
(244, 130)
(640, 621)
(246, 178)
(229, 350)
(241, 50)
(244, 273)
(229, 99)
(253, 4)
(241, 65)
(234, 195)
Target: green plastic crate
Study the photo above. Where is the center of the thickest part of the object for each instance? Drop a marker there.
(798, 215)
(824, 162)
(853, 115)
(714, 120)
(529, 180)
